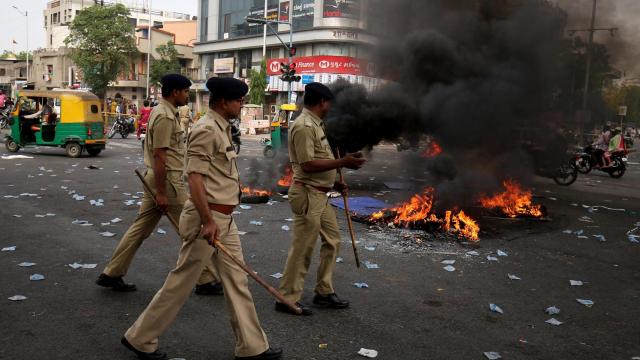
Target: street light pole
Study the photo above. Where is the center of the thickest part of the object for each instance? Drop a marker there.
(264, 36)
(26, 15)
(587, 78)
(150, 30)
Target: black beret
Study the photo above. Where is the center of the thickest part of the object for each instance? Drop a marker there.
(175, 81)
(320, 90)
(227, 88)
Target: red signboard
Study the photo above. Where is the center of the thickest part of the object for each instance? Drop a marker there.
(325, 64)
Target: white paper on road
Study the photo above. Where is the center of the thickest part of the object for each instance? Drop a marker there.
(492, 258)
(276, 275)
(339, 260)
(116, 220)
(17, 216)
(361, 285)
(9, 248)
(585, 302)
(288, 220)
(492, 355)
(129, 202)
(256, 223)
(40, 215)
(472, 253)
(368, 353)
(285, 228)
(370, 265)
(76, 266)
(26, 264)
(585, 219)
(601, 238)
(370, 248)
(634, 238)
(513, 277)
(501, 253)
(552, 310)
(447, 262)
(105, 224)
(107, 234)
(161, 231)
(449, 268)
(79, 222)
(11, 157)
(17, 298)
(495, 308)
(242, 233)
(11, 196)
(245, 207)
(554, 322)
(36, 277)
(576, 283)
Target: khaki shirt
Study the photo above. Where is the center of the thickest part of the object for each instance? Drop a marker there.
(210, 153)
(164, 132)
(184, 114)
(307, 142)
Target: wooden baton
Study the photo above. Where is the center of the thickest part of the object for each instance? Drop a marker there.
(217, 244)
(345, 197)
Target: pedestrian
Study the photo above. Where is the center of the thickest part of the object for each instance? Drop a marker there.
(185, 119)
(214, 183)
(164, 159)
(314, 174)
(145, 112)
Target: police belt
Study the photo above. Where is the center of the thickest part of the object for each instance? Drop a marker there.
(319, 188)
(223, 209)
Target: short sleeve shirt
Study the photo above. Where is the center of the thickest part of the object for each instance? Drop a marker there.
(164, 132)
(307, 142)
(210, 152)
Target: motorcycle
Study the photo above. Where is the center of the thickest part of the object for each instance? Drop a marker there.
(123, 126)
(235, 135)
(587, 160)
(5, 115)
(563, 171)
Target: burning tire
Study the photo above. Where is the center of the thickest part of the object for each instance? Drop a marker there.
(254, 199)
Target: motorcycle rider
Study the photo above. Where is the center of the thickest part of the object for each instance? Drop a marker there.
(601, 146)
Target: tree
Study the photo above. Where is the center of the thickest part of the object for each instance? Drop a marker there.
(22, 55)
(167, 64)
(103, 41)
(258, 80)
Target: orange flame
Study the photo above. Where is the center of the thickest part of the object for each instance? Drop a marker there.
(255, 192)
(418, 209)
(513, 202)
(287, 178)
(434, 149)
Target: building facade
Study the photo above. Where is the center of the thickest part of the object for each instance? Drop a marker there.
(332, 40)
(13, 74)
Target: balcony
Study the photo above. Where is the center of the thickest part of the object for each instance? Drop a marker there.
(191, 73)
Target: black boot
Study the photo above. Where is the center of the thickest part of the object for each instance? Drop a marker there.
(270, 354)
(212, 288)
(156, 355)
(281, 307)
(116, 283)
(331, 301)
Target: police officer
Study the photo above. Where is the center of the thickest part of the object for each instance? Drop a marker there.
(164, 158)
(215, 191)
(314, 174)
(185, 119)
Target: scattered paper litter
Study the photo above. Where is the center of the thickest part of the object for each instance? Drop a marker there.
(492, 355)
(370, 248)
(495, 308)
(449, 268)
(554, 322)
(501, 253)
(492, 258)
(9, 248)
(40, 215)
(552, 310)
(26, 264)
(583, 237)
(288, 220)
(339, 259)
(76, 266)
(256, 223)
(81, 222)
(285, 196)
(285, 228)
(50, 214)
(161, 231)
(107, 234)
(245, 207)
(576, 283)
(98, 202)
(567, 231)
(36, 277)
(17, 298)
(368, 353)
(447, 262)
(11, 157)
(634, 238)
(17, 216)
(105, 224)
(513, 277)
(370, 265)
(600, 238)
(585, 219)
(242, 233)
(472, 253)
(78, 197)
(585, 302)
(271, 202)
(361, 285)
(276, 275)
(129, 202)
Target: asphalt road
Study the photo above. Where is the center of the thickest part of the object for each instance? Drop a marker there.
(413, 309)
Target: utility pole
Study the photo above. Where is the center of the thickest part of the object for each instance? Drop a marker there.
(26, 15)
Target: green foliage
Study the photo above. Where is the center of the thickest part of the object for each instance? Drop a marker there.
(258, 80)
(167, 64)
(22, 55)
(103, 42)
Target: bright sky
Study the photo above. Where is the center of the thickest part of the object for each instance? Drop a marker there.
(14, 24)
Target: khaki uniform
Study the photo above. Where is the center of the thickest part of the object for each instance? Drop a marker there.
(211, 154)
(185, 118)
(163, 132)
(313, 215)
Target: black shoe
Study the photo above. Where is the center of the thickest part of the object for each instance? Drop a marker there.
(331, 301)
(156, 355)
(116, 283)
(270, 354)
(281, 307)
(212, 288)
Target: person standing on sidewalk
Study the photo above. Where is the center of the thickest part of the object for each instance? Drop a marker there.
(215, 192)
(164, 158)
(314, 175)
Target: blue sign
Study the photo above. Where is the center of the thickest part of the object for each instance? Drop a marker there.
(307, 79)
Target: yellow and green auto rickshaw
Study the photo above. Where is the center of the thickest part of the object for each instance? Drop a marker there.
(279, 131)
(66, 118)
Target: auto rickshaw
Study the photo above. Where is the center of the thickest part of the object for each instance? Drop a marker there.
(279, 130)
(72, 121)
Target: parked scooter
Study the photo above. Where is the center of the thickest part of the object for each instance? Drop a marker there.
(123, 126)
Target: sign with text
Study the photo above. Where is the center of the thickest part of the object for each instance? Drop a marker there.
(224, 65)
(325, 64)
(303, 11)
(341, 9)
(284, 11)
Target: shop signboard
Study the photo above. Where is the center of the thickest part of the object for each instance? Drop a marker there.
(341, 9)
(325, 64)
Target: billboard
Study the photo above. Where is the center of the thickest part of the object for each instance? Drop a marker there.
(224, 65)
(341, 9)
(326, 65)
(258, 12)
(284, 11)
(303, 12)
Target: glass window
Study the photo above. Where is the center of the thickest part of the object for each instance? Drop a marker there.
(94, 109)
(204, 19)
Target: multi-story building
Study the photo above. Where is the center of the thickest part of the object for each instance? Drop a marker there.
(13, 74)
(332, 40)
(60, 13)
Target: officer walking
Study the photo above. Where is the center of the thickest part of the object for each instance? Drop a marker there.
(164, 158)
(215, 192)
(314, 174)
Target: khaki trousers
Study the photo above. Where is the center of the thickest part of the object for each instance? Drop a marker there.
(194, 254)
(146, 221)
(313, 216)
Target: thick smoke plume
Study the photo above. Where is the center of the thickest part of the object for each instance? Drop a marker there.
(472, 74)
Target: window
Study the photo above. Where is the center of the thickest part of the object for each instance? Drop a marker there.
(227, 23)
(50, 40)
(45, 21)
(94, 109)
(204, 20)
(3, 72)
